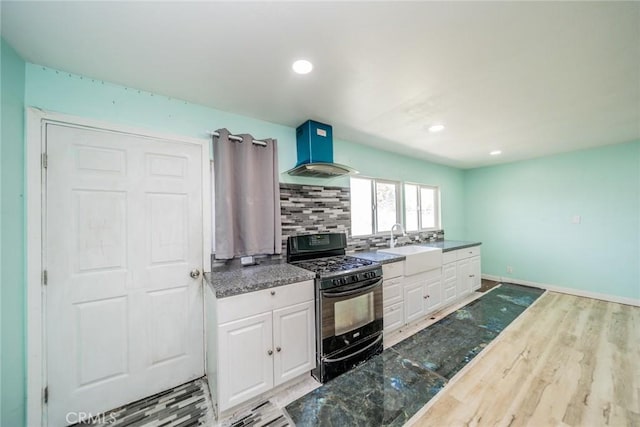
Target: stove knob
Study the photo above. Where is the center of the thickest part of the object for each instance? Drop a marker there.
(343, 280)
(336, 282)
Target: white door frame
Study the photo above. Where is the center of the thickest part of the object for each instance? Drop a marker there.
(36, 119)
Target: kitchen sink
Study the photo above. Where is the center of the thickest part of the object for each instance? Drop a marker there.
(418, 259)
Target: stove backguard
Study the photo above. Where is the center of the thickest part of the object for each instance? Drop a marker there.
(309, 246)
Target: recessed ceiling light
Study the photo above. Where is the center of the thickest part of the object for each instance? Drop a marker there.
(436, 128)
(495, 153)
(302, 66)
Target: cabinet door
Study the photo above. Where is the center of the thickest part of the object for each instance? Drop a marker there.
(449, 281)
(393, 317)
(245, 365)
(414, 301)
(475, 273)
(433, 292)
(463, 282)
(392, 291)
(293, 341)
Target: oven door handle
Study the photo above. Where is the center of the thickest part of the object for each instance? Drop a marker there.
(348, 356)
(359, 290)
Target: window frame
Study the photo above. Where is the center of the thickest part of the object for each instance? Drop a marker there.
(436, 205)
(374, 207)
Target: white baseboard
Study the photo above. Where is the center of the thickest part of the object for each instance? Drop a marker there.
(570, 291)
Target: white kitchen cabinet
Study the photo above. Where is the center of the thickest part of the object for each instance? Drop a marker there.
(433, 293)
(464, 279)
(293, 341)
(245, 365)
(468, 270)
(392, 269)
(449, 281)
(264, 339)
(475, 270)
(393, 296)
(393, 317)
(392, 291)
(414, 301)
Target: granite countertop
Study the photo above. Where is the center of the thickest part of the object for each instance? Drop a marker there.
(450, 245)
(235, 280)
(380, 257)
(445, 245)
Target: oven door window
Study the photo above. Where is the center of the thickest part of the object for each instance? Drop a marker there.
(354, 313)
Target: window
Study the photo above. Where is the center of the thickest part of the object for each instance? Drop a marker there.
(375, 206)
(422, 210)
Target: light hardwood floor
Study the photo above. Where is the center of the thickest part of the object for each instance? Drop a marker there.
(567, 361)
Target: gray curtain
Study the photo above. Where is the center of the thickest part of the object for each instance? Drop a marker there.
(247, 197)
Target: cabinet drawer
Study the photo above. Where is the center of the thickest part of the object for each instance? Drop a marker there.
(468, 252)
(391, 270)
(252, 303)
(448, 257)
(449, 271)
(393, 317)
(449, 293)
(392, 291)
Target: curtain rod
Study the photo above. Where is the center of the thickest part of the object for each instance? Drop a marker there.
(239, 139)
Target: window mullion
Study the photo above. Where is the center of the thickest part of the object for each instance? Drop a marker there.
(374, 207)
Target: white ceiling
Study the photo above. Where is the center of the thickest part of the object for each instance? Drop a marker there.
(528, 78)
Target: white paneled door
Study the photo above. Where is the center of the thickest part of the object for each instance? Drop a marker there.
(123, 233)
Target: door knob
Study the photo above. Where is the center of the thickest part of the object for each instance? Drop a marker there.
(195, 273)
(278, 349)
(269, 352)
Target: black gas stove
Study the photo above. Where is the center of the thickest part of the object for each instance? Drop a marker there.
(348, 302)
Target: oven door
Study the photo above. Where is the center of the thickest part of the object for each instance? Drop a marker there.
(350, 314)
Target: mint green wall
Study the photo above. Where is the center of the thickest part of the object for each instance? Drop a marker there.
(522, 213)
(72, 94)
(12, 275)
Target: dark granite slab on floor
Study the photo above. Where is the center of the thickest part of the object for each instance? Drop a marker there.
(390, 388)
(445, 347)
(386, 390)
(497, 309)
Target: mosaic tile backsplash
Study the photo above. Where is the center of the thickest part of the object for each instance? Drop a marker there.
(309, 209)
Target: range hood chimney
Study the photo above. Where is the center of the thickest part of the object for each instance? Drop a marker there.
(315, 152)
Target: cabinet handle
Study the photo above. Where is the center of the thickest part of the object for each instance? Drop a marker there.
(278, 349)
(472, 275)
(273, 292)
(270, 352)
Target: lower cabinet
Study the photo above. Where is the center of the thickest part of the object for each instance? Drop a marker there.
(257, 352)
(414, 301)
(449, 282)
(393, 317)
(469, 275)
(410, 298)
(433, 293)
(392, 295)
(463, 273)
(475, 271)
(293, 341)
(245, 365)
(422, 294)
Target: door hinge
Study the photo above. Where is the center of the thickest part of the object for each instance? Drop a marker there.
(45, 160)
(45, 395)
(45, 277)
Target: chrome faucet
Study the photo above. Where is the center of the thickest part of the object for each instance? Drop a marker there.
(392, 242)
